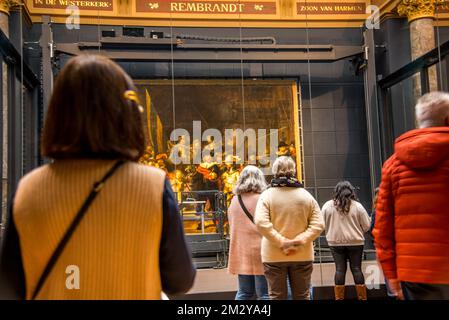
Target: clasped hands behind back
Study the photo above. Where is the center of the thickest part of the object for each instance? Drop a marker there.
(291, 246)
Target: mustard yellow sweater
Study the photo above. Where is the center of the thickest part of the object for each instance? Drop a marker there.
(116, 245)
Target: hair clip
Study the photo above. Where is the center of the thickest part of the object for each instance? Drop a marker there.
(132, 96)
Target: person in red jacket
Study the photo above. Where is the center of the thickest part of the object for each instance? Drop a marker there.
(412, 220)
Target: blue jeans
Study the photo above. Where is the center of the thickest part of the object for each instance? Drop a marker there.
(251, 287)
(390, 292)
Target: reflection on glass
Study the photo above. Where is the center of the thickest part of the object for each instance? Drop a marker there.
(210, 144)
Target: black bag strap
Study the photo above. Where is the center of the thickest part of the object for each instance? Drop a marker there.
(97, 187)
(250, 217)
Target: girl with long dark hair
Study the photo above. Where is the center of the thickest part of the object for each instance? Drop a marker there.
(346, 221)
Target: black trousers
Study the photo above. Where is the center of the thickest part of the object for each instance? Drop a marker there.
(425, 291)
(341, 255)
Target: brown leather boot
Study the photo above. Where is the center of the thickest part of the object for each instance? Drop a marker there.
(339, 291)
(361, 291)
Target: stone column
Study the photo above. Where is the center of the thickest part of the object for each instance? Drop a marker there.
(420, 15)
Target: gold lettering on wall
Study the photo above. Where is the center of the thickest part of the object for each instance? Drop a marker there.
(106, 5)
(206, 7)
(210, 7)
(324, 8)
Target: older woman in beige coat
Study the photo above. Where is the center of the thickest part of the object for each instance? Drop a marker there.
(289, 219)
(244, 252)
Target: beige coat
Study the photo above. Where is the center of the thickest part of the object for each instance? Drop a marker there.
(244, 251)
(284, 213)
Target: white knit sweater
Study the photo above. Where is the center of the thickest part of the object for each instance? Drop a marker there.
(287, 213)
(345, 229)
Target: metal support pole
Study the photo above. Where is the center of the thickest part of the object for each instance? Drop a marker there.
(46, 43)
(386, 124)
(372, 110)
(425, 85)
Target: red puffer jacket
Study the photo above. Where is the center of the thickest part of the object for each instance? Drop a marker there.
(412, 212)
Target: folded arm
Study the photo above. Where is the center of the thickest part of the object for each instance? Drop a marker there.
(364, 218)
(176, 267)
(315, 224)
(264, 225)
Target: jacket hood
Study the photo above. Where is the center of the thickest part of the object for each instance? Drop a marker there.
(423, 148)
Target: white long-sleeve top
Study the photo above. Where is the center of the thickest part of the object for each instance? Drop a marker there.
(345, 229)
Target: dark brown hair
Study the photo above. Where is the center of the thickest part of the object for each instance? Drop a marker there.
(89, 116)
(344, 192)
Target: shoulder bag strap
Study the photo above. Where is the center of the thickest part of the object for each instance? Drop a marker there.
(75, 222)
(250, 217)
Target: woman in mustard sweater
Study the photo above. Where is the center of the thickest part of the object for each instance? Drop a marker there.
(129, 242)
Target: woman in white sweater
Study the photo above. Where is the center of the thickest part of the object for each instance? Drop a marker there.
(346, 222)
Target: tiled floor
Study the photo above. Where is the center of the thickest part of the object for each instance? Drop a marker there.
(219, 280)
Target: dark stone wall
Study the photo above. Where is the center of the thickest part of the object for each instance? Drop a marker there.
(442, 33)
(335, 138)
(335, 135)
(393, 52)
(393, 40)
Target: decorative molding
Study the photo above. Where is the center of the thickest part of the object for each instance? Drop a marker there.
(418, 9)
(4, 6)
(387, 7)
(7, 5)
(220, 13)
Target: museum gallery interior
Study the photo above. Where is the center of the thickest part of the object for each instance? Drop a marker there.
(329, 83)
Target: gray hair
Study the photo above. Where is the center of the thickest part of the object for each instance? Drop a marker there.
(251, 179)
(432, 109)
(284, 167)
